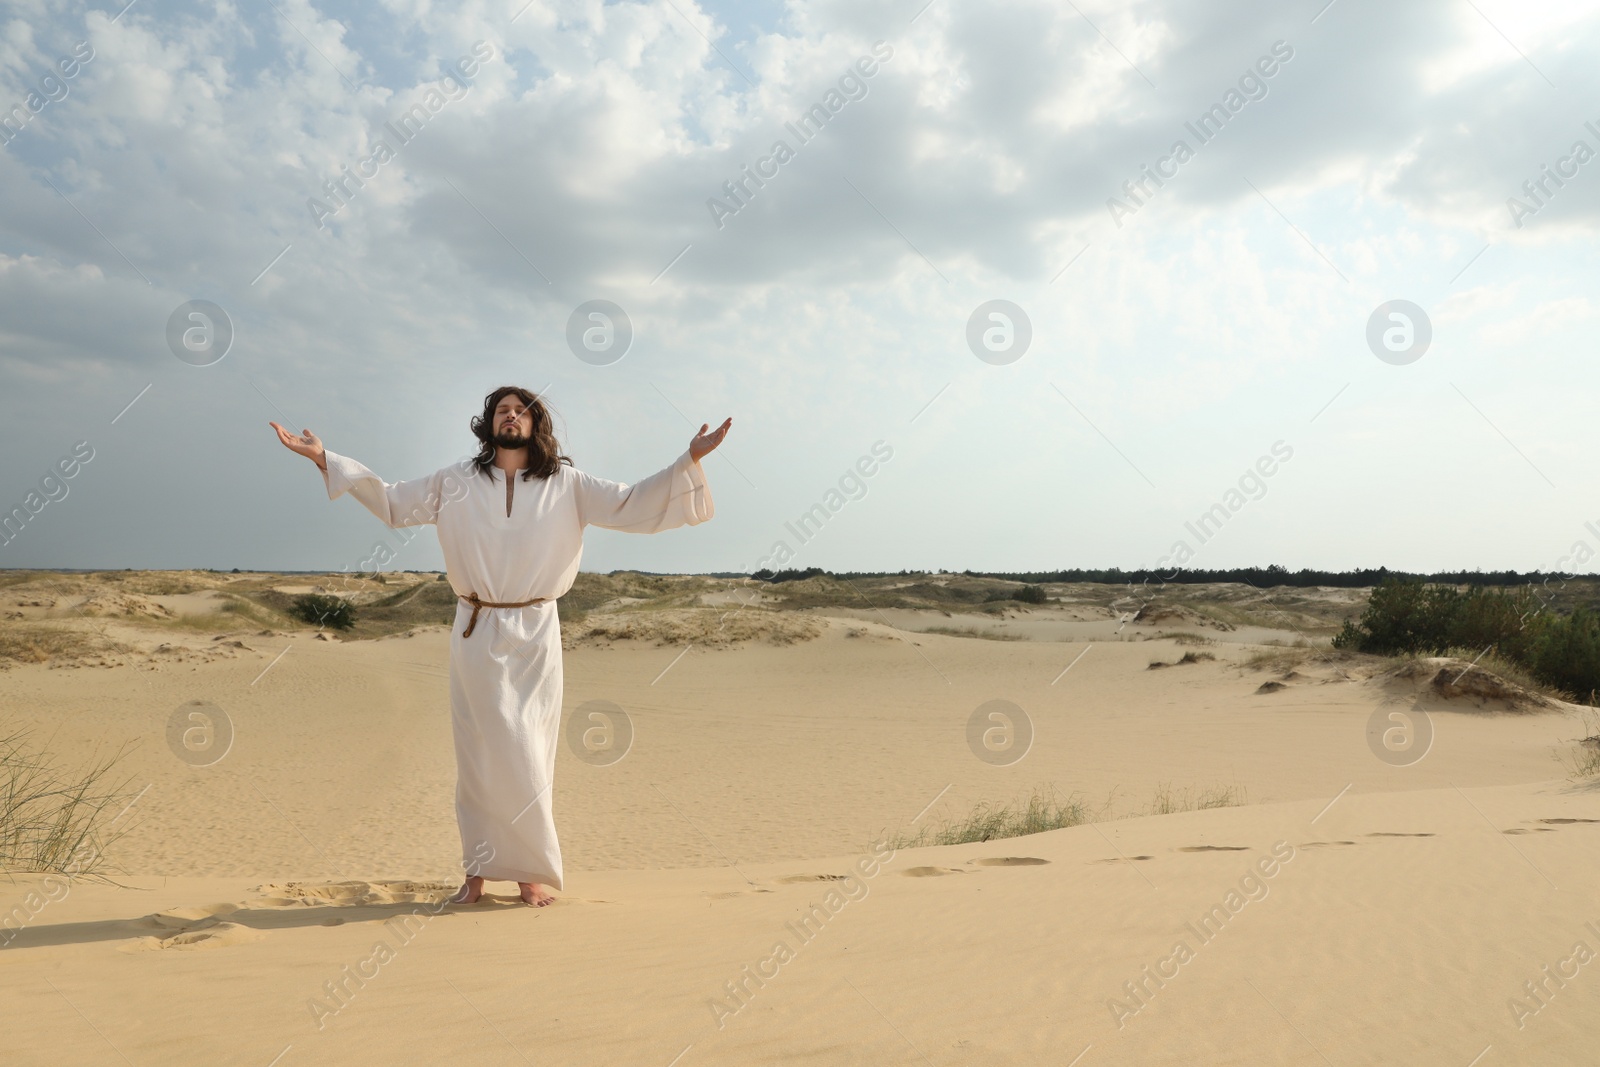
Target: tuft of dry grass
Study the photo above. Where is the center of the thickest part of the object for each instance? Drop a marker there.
(702, 627)
(1584, 759)
(53, 820)
(1168, 801)
(1042, 811)
(1280, 659)
(1188, 658)
(44, 643)
(1493, 663)
(975, 631)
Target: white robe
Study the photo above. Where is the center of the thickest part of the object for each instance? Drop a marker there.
(505, 680)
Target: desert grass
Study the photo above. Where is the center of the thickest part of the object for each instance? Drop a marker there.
(1186, 659)
(1583, 759)
(1186, 637)
(1285, 658)
(974, 631)
(701, 627)
(1045, 810)
(1492, 675)
(52, 819)
(1585, 762)
(234, 613)
(1492, 662)
(1168, 801)
(27, 643)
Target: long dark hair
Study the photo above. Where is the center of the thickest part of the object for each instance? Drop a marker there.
(544, 451)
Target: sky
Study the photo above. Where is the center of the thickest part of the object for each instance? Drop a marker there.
(956, 271)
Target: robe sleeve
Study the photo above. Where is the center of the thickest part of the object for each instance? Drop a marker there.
(411, 503)
(676, 496)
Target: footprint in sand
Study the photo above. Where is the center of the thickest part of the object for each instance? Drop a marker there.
(1565, 822)
(1215, 848)
(1119, 859)
(1535, 830)
(1324, 844)
(1009, 861)
(222, 933)
(1387, 833)
(353, 894)
(202, 926)
(791, 879)
(930, 872)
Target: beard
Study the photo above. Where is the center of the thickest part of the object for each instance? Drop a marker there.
(512, 438)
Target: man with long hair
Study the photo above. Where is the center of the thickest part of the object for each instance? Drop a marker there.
(510, 522)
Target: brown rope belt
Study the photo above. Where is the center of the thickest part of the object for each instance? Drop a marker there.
(479, 605)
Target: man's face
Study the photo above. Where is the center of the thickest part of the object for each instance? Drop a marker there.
(513, 422)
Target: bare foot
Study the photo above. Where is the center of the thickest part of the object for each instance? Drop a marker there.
(535, 895)
(469, 893)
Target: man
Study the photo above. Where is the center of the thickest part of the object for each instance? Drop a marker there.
(510, 522)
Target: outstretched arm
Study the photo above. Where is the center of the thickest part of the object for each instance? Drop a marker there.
(676, 496)
(411, 503)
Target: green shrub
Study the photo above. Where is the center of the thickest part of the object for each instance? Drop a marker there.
(1028, 594)
(1566, 652)
(1406, 617)
(320, 610)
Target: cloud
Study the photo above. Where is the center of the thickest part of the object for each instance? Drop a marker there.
(830, 309)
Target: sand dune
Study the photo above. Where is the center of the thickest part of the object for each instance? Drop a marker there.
(732, 898)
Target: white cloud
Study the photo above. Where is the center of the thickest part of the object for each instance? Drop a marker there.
(983, 151)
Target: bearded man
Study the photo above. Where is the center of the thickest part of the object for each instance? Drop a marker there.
(510, 522)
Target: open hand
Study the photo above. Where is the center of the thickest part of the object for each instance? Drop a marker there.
(704, 442)
(305, 443)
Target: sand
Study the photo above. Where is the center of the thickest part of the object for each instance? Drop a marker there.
(1405, 909)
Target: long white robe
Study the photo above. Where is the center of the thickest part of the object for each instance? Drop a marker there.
(505, 680)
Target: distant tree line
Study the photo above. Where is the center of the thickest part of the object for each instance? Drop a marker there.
(1263, 577)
